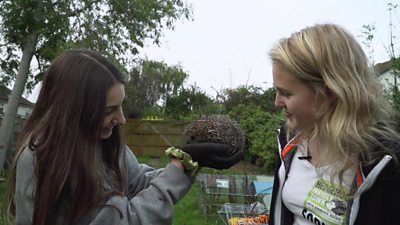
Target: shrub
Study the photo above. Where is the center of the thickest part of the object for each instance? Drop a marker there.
(260, 130)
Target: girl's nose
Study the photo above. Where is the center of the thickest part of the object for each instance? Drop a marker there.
(278, 102)
(120, 118)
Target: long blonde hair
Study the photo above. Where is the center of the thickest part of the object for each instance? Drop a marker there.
(329, 60)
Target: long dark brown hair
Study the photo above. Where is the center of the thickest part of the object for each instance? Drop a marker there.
(63, 133)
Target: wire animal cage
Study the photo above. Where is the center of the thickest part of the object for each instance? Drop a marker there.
(229, 197)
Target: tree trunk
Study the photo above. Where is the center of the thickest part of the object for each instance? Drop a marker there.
(10, 113)
(7, 125)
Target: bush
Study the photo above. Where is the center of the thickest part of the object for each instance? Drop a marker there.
(260, 129)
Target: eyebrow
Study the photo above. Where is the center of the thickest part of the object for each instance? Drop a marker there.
(281, 89)
(116, 105)
(111, 106)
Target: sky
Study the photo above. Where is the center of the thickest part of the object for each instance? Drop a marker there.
(227, 43)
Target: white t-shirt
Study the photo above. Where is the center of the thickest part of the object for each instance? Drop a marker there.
(311, 197)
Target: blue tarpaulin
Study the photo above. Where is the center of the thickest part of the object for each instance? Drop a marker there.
(263, 187)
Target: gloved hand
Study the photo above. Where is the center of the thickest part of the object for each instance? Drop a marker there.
(213, 155)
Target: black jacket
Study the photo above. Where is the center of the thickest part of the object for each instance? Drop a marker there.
(377, 194)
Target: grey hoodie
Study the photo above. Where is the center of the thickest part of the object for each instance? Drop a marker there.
(150, 199)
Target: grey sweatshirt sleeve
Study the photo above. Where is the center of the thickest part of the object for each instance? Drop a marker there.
(25, 188)
(152, 205)
(150, 199)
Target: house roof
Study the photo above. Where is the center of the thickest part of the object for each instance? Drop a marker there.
(383, 67)
(5, 92)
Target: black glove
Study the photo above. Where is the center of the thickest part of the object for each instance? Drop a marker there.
(213, 155)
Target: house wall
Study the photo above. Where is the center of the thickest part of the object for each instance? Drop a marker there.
(387, 80)
(23, 111)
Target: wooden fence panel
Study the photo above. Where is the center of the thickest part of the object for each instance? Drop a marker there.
(153, 137)
(144, 137)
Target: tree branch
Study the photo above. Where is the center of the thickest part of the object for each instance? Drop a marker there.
(78, 11)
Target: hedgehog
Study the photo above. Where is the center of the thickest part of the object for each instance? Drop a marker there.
(216, 129)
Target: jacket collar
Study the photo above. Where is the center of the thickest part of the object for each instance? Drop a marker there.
(291, 147)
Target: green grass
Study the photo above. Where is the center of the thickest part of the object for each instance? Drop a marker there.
(188, 212)
(144, 159)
